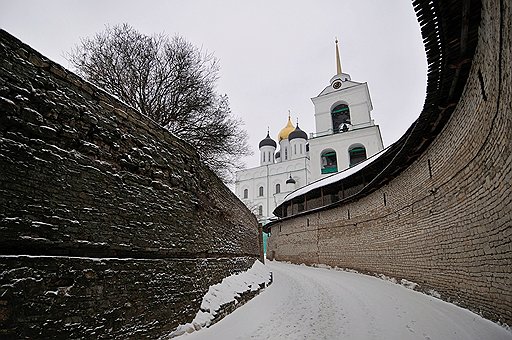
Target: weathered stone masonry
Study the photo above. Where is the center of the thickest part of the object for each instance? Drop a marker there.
(445, 221)
(110, 227)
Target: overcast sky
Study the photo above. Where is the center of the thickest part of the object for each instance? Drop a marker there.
(274, 54)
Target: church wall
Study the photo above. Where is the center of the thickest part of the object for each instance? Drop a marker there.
(369, 137)
(296, 146)
(323, 123)
(358, 100)
(444, 222)
(108, 223)
(284, 148)
(267, 155)
(268, 176)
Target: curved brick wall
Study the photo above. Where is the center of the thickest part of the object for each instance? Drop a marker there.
(109, 225)
(448, 228)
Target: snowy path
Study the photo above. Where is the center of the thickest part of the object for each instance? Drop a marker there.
(315, 303)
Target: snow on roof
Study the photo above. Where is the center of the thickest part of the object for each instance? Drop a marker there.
(333, 178)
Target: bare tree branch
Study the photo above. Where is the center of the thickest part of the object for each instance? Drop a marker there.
(172, 82)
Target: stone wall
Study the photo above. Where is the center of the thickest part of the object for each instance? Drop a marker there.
(446, 221)
(109, 225)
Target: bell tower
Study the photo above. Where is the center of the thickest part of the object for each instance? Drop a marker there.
(345, 132)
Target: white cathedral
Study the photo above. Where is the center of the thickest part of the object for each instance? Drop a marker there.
(345, 135)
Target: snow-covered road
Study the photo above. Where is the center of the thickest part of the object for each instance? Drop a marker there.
(316, 303)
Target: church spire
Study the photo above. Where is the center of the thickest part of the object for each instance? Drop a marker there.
(338, 61)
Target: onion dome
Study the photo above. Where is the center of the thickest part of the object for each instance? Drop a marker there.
(285, 132)
(278, 154)
(267, 142)
(298, 133)
(290, 180)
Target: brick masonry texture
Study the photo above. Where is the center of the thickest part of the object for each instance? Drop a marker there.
(110, 227)
(451, 231)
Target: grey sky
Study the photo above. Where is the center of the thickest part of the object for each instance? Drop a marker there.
(274, 55)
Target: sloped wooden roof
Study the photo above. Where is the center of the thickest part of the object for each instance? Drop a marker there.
(450, 33)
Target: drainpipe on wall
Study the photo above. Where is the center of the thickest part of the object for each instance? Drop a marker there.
(260, 242)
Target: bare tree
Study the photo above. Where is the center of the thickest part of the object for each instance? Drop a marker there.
(171, 81)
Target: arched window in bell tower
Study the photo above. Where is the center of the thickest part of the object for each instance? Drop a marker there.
(356, 153)
(328, 161)
(340, 115)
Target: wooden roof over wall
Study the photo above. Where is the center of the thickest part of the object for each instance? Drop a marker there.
(450, 33)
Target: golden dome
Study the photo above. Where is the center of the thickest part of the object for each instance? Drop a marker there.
(285, 132)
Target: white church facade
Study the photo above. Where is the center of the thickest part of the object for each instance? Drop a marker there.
(345, 135)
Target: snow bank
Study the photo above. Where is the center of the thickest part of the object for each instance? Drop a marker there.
(311, 303)
(225, 292)
(403, 282)
(433, 293)
(408, 284)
